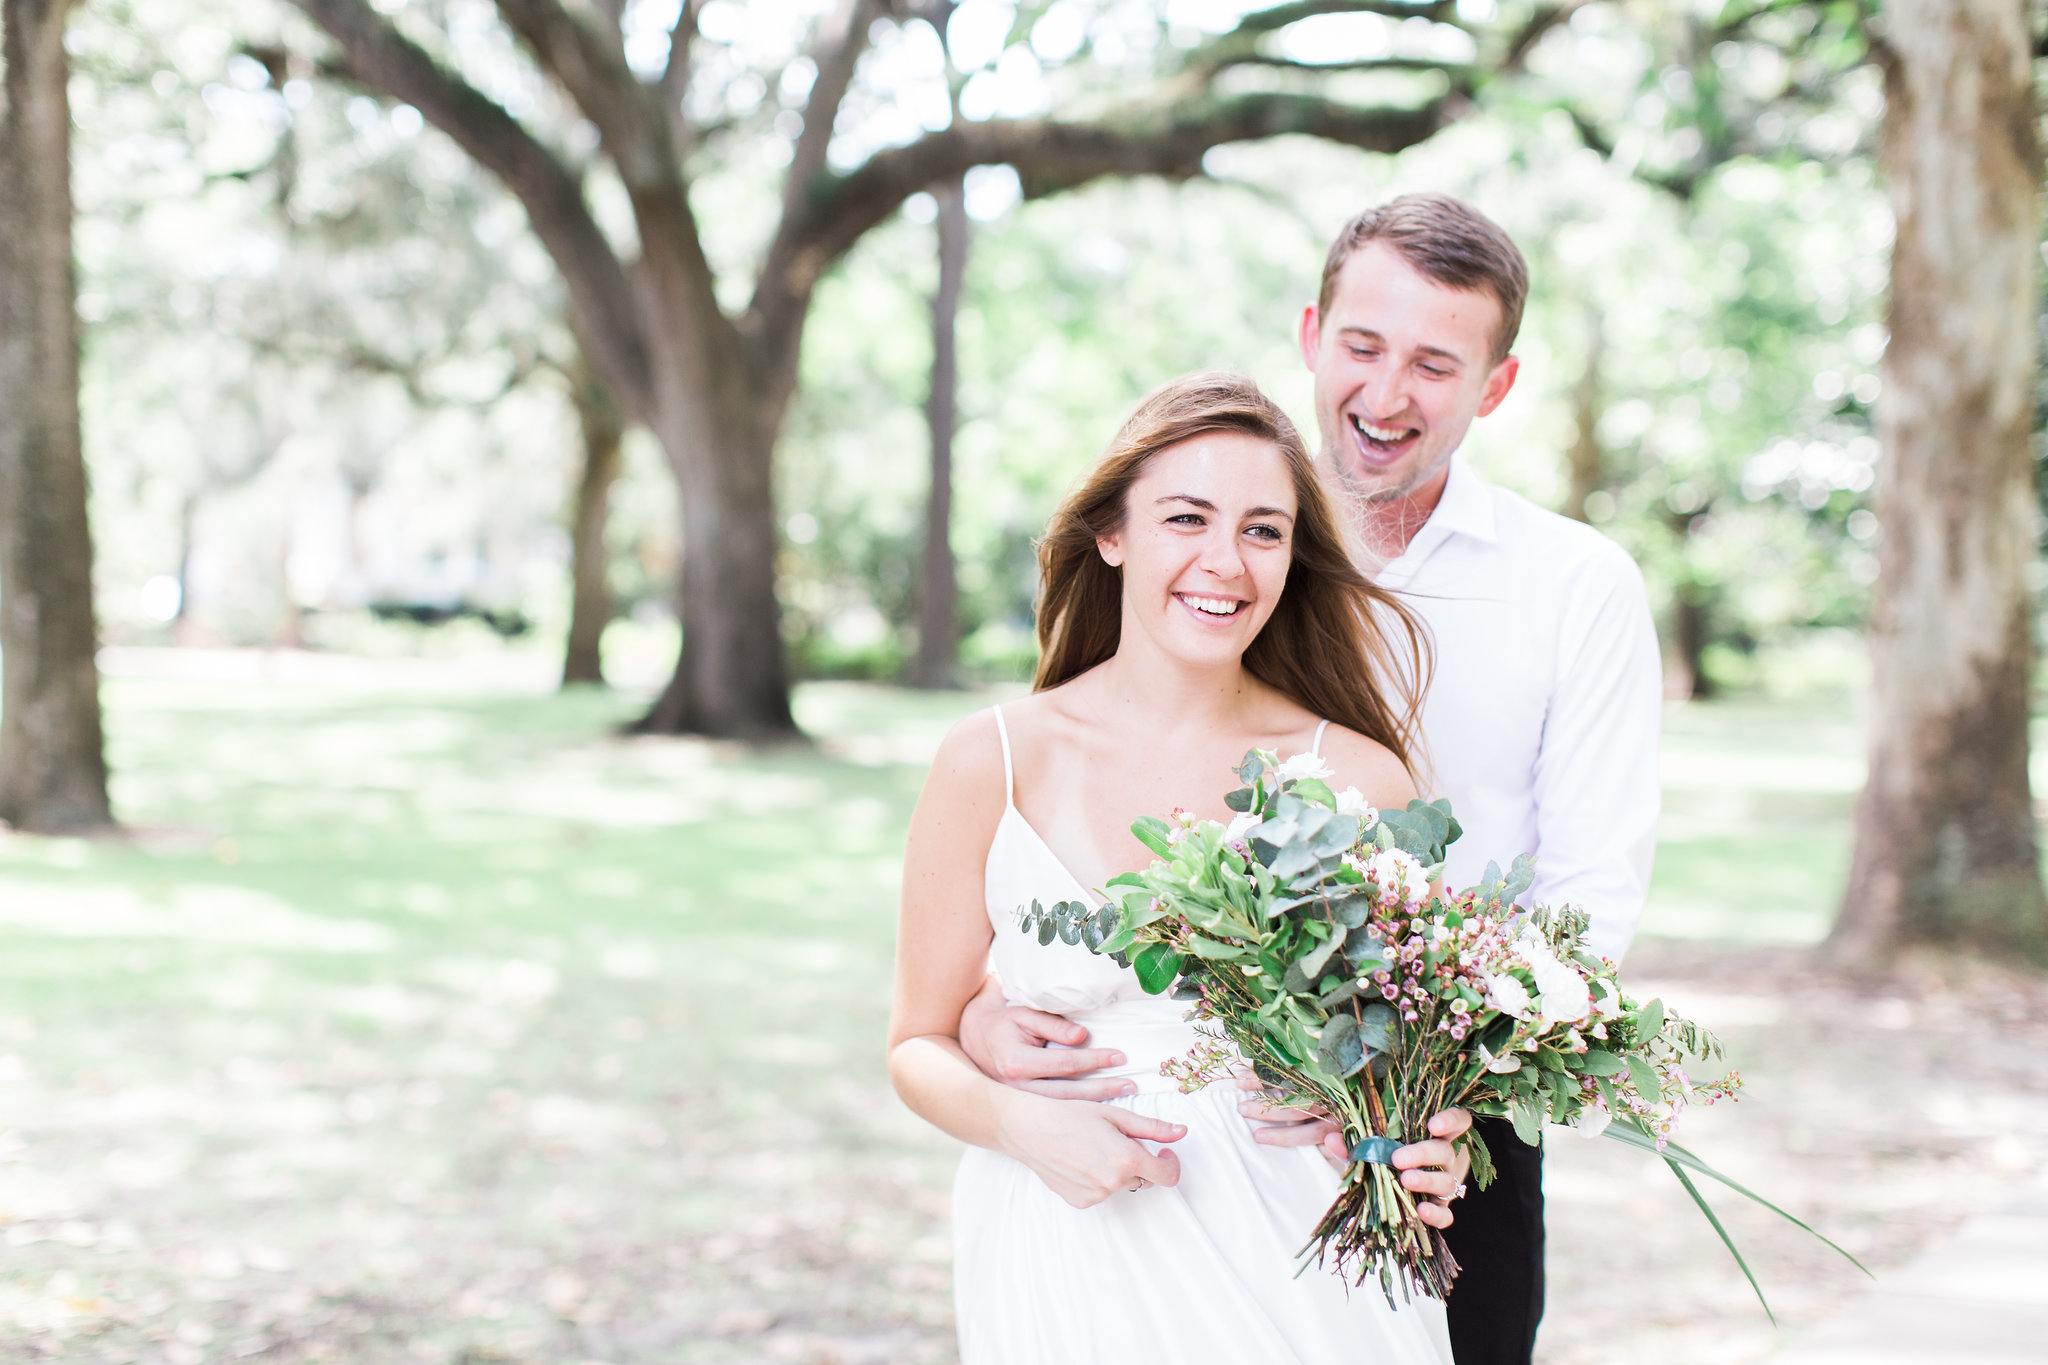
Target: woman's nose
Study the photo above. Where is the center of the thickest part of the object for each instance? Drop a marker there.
(1220, 557)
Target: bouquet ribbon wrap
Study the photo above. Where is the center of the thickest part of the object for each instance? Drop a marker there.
(1375, 1151)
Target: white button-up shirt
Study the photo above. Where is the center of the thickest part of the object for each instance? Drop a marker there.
(1541, 721)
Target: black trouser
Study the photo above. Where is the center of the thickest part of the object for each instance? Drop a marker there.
(1498, 1240)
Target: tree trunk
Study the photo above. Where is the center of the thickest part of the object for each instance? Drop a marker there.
(1691, 623)
(590, 609)
(53, 771)
(938, 629)
(717, 412)
(1585, 462)
(1945, 848)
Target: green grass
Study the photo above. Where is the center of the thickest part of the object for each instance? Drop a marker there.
(448, 1025)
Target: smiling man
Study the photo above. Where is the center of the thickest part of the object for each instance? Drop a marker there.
(1541, 718)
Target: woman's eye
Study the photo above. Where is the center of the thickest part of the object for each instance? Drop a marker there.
(1263, 532)
(1186, 519)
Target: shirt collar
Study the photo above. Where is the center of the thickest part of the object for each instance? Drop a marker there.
(1466, 508)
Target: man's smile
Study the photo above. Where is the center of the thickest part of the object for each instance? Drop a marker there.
(1381, 444)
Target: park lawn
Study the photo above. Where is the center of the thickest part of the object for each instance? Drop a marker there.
(423, 1017)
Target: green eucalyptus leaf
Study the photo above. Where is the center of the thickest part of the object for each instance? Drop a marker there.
(1341, 1052)
(1352, 910)
(1239, 800)
(1347, 990)
(1363, 951)
(1070, 930)
(1252, 769)
(1376, 1025)
(1047, 927)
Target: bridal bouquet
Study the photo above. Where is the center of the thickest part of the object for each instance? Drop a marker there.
(1309, 939)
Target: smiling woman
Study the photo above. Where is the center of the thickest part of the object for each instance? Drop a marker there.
(1197, 602)
(1224, 426)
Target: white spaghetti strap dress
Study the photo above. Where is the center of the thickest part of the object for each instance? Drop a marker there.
(1203, 1273)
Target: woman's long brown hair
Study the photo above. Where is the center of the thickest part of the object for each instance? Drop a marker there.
(1330, 645)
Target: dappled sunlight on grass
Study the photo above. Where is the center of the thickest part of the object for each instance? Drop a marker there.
(434, 1022)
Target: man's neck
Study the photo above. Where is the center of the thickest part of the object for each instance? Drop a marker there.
(1386, 529)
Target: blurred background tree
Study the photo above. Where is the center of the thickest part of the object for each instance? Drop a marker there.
(53, 773)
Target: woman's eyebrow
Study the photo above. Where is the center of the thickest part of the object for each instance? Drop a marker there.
(1208, 506)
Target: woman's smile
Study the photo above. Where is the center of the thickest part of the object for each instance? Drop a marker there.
(1210, 610)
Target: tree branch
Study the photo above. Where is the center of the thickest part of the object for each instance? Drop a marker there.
(601, 300)
(674, 85)
(840, 41)
(1051, 156)
(592, 68)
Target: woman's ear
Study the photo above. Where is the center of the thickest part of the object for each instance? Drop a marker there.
(1111, 550)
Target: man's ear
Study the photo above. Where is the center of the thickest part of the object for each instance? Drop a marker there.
(1498, 383)
(1311, 336)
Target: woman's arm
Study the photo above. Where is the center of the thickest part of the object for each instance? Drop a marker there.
(1085, 1152)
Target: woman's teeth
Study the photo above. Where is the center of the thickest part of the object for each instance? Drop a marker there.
(1212, 606)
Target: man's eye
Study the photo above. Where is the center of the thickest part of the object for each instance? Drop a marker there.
(1433, 372)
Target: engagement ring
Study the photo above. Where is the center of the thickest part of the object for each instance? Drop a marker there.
(1142, 1183)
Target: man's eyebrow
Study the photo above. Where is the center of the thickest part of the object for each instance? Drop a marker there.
(1208, 506)
(1368, 334)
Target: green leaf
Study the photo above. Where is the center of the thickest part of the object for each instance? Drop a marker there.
(1316, 959)
(1600, 1062)
(1352, 910)
(1316, 790)
(1645, 1077)
(1650, 1020)
(1363, 951)
(1136, 879)
(1239, 800)
(1345, 990)
(1216, 950)
(1157, 964)
(1341, 1051)
(1376, 1025)
(1528, 1120)
(1726, 1240)
(1252, 769)
(1630, 1134)
(1151, 831)
(1047, 927)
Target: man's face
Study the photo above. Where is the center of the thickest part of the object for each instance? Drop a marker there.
(1402, 365)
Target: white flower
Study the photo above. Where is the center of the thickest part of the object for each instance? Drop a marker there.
(1565, 998)
(1241, 824)
(1502, 1065)
(1399, 874)
(1607, 1003)
(1351, 801)
(1591, 1121)
(1508, 995)
(1303, 765)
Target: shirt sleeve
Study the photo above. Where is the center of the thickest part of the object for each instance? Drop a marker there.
(1596, 779)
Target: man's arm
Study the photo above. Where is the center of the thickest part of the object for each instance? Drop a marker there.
(1596, 782)
(1011, 1044)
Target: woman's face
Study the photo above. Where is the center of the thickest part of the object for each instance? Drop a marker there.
(1207, 538)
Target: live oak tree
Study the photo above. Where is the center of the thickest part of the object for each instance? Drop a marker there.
(713, 379)
(53, 773)
(1945, 839)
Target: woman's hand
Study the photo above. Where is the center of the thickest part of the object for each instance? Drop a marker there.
(1086, 1152)
(1435, 1168)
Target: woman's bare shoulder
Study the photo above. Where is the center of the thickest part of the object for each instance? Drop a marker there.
(969, 763)
(1367, 765)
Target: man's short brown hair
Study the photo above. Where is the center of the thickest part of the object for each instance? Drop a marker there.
(1448, 241)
